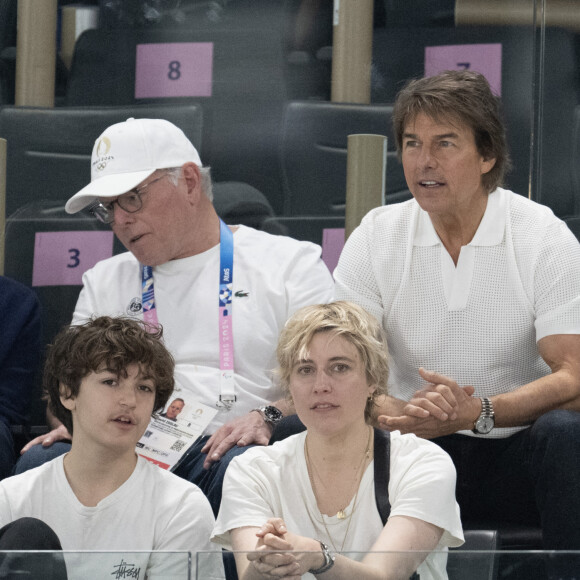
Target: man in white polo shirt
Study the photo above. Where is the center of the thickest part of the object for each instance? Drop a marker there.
(478, 290)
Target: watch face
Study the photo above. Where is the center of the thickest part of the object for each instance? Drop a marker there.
(272, 414)
(484, 425)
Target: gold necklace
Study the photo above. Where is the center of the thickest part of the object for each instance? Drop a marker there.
(341, 514)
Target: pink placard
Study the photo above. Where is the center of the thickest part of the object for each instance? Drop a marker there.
(174, 69)
(332, 244)
(483, 58)
(61, 258)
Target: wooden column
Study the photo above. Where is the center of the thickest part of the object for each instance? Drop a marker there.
(75, 20)
(351, 83)
(365, 177)
(36, 53)
(352, 51)
(564, 13)
(2, 201)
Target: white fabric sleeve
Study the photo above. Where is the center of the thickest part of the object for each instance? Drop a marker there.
(189, 529)
(354, 276)
(86, 305)
(308, 280)
(101, 284)
(557, 283)
(5, 509)
(422, 486)
(243, 502)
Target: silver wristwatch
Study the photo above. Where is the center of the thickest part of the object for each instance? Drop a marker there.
(329, 559)
(486, 421)
(271, 415)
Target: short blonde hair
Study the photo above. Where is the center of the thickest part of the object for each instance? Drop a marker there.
(340, 318)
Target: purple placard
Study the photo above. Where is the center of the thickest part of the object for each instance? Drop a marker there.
(61, 258)
(483, 58)
(332, 244)
(174, 69)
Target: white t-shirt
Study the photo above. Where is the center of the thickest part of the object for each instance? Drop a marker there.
(516, 282)
(273, 277)
(152, 510)
(273, 481)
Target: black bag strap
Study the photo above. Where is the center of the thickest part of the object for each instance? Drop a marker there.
(382, 472)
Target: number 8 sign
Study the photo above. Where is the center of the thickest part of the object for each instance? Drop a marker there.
(174, 69)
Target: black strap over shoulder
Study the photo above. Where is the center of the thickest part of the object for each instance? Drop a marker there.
(382, 472)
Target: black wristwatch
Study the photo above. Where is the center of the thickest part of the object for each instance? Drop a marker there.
(486, 421)
(329, 559)
(271, 415)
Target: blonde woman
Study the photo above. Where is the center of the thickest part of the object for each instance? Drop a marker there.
(322, 492)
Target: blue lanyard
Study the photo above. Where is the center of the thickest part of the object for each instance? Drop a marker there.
(227, 387)
(227, 395)
(148, 296)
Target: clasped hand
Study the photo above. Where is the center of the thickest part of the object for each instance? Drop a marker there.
(440, 408)
(273, 557)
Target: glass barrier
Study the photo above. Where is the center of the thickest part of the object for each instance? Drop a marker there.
(455, 564)
(258, 57)
(555, 177)
(266, 55)
(115, 565)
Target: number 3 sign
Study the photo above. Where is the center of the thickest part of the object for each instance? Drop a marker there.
(174, 69)
(61, 258)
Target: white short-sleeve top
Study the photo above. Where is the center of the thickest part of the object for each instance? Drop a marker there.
(516, 282)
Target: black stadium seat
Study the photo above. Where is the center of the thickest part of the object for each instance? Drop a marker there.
(313, 155)
(399, 54)
(49, 150)
(242, 115)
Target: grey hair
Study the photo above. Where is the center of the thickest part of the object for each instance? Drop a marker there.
(206, 182)
(174, 174)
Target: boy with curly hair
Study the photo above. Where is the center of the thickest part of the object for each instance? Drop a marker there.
(104, 379)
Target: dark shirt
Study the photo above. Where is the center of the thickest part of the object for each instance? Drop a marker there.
(20, 349)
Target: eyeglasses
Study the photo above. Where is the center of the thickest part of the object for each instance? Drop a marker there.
(130, 202)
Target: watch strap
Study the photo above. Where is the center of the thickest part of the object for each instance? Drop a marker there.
(271, 415)
(487, 412)
(487, 408)
(329, 559)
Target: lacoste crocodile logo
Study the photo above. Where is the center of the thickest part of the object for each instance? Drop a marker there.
(241, 294)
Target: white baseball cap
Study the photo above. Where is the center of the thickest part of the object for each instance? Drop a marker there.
(129, 152)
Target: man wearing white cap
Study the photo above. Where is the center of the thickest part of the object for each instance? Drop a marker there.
(222, 294)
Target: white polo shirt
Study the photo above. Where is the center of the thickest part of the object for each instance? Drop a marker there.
(517, 281)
